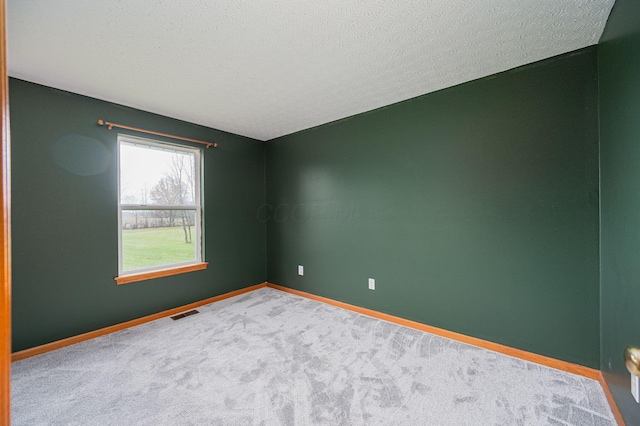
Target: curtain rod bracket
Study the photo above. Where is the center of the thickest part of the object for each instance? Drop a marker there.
(111, 125)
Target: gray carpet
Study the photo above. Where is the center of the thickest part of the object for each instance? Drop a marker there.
(271, 358)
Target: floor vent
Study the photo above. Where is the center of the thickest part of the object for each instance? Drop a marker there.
(185, 314)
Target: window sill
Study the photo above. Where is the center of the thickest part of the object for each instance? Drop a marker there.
(126, 279)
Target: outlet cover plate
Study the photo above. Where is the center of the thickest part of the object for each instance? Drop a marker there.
(300, 270)
(372, 284)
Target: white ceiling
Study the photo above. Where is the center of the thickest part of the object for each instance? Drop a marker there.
(264, 69)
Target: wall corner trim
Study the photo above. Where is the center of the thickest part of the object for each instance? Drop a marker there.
(27, 353)
(474, 341)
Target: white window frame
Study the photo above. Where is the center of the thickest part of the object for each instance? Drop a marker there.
(173, 268)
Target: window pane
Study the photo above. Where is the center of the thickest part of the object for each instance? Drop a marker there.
(152, 175)
(153, 238)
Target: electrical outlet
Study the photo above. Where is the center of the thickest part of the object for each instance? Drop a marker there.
(372, 284)
(300, 270)
(635, 387)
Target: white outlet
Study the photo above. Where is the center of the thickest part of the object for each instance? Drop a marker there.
(300, 270)
(372, 284)
(635, 387)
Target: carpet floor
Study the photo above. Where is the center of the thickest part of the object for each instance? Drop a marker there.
(272, 358)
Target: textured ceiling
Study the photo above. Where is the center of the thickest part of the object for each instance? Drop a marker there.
(264, 69)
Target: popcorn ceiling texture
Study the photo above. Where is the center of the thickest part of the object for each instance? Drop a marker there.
(267, 69)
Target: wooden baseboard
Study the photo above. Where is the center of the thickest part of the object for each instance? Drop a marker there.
(612, 402)
(16, 356)
(506, 350)
(485, 344)
(496, 347)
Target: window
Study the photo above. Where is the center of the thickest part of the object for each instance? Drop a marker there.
(159, 209)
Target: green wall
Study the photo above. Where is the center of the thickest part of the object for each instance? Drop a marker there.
(64, 217)
(475, 208)
(619, 84)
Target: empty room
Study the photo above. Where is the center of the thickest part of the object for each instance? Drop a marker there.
(339, 212)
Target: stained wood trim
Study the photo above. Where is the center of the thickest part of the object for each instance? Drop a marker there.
(612, 402)
(5, 229)
(485, 344)
(506, 350)
(126, 279)
(27, 353)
